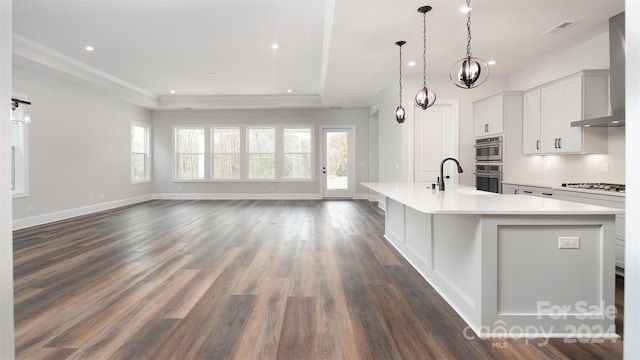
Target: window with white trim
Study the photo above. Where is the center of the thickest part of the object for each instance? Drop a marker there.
(297, 153)
(20, 120)
(190, 153)
(261, 153)
(244, 153)
(140, 154)
(225, 153)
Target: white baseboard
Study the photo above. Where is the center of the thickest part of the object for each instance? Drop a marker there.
(84, 210)
(223, 196)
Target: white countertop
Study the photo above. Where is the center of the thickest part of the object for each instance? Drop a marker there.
(468, 200)
(559, 187)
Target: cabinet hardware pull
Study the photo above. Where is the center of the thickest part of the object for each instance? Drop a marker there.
(486, 127)
(527, 192)
(537, 144)
(548, 194)
(555, 144)
(559, 143)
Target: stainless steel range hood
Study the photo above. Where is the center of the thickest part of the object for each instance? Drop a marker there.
(617, 53)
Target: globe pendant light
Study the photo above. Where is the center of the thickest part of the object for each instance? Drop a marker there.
(425, 98)
(469, 72)
(400, 113)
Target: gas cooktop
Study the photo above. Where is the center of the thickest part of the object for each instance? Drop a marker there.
(596, 186)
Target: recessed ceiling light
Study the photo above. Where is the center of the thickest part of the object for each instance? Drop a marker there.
(412, 63)
(465, 9)
(491, 62)
(275, 46)
(289, 90)
(212, 74)
(89, 48)
(173, 91)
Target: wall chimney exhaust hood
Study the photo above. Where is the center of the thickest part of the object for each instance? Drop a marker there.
(617, 53)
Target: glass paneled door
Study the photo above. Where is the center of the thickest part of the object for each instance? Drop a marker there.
(338, 171)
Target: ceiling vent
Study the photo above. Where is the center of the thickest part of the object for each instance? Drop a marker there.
(560, 27)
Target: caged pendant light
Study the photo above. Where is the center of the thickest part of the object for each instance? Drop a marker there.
(425, 98)
(469, 72)
(400, 113)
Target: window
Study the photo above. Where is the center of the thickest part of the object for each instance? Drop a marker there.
(297, 153)
(190, 153)
(261, 143)
(244, 153)
(140, 157)
(226, 153)
(20, 118)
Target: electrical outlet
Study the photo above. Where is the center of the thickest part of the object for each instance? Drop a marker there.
(568, 242)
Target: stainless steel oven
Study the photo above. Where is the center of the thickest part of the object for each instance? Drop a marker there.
(489, 177)
(489, 149)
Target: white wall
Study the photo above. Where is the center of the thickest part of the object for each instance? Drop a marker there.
(556, 169)
(7, 348)
(163, 121)
(78, 151)
(632, 248)
(394, 139)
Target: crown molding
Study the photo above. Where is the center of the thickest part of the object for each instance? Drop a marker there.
(35, 56)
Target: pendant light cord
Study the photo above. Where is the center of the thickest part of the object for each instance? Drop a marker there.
(468, 28)
(400, 75)
(424, 49)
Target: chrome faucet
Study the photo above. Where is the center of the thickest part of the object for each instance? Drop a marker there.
(441, 180)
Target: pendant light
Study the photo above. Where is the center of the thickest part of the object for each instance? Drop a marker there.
(469, 72)
(425, 98)
(400, 113)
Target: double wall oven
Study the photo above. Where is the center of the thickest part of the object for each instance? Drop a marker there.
(488, 164)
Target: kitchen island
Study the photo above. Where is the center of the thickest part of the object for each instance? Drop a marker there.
(510, 265)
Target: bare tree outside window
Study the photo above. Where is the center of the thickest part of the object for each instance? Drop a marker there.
(262, 153)
(297, 153)
(190, 153)
(226, 153)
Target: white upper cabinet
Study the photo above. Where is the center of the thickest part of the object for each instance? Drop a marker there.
(488, 116)
(549, 110)
(531, 122)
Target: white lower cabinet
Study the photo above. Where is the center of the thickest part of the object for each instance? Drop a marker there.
(602, 200)
(527, 190)
(613, 201)
(509, 189)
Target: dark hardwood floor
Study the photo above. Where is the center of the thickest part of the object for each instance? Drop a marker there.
(241, 280)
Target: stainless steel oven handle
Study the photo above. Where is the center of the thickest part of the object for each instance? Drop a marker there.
(491, 175)
(495, 144)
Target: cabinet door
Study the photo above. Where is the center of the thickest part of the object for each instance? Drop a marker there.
(570, 138)
(509, 189)
(550, 117)
(488, 116)
(531, 122)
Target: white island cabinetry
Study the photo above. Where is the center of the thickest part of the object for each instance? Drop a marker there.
(509, 262)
